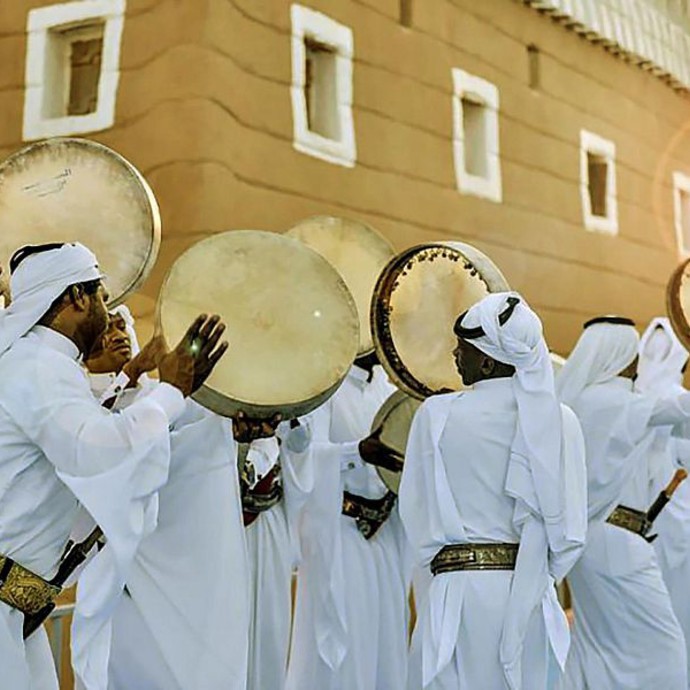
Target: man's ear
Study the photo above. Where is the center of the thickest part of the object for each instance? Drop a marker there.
(77, 296)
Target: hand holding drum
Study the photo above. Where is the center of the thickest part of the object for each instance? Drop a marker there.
(189, 365)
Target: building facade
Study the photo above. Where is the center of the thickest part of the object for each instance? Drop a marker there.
(552, 134)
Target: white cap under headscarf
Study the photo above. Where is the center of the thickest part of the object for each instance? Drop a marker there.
(604, 350)
(662, 358)
(37, 282)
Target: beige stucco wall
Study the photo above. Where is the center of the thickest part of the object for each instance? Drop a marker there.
(204, 110)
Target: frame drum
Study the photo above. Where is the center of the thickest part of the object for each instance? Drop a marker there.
(359, 254)
(417, 299)
(395, 418)
(67, 190)
(291, 322)
(678, 302)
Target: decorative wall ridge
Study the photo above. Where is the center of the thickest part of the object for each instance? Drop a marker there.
(641, 32)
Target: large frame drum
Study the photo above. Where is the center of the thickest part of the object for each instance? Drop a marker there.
(678, 302)
(291, 322)
(395, 419)
(417, 299)
(358, 252)
(67, 190)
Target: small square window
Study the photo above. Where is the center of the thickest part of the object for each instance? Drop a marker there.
(73, 70)
(322, 87)
(72, 67)
(475, 136)
(681, 208)
(598, 183)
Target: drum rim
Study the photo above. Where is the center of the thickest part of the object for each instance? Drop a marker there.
(674, 305)
(371, 346)
(154, 216)
(223, 404)
(380, 311)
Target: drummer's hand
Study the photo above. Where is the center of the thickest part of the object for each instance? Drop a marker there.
(147, 359)
(192, 361)
(245, 429)
(375, 452)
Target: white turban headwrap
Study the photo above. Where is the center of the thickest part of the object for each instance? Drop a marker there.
(601, 353)
(662, 358)
(37, 282)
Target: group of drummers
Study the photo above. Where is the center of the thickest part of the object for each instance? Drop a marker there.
(380, 428)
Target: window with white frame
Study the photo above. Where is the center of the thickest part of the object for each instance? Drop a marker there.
(598, 183)
(72, 67)
(475, 136)
(321, 89)
(681, 208)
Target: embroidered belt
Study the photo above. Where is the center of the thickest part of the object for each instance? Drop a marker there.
(454, 557)
(368, 513)
(23, 590)
(267, 493)
(628, 518)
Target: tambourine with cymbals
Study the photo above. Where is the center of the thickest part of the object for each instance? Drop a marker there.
(418, 297)
(678, 302)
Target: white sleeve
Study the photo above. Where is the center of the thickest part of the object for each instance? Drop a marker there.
(672, 410)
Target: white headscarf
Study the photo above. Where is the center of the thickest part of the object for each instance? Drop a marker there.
(601, 353)
(662, 357)
(520, 343)
(126, 314)
(37, 282)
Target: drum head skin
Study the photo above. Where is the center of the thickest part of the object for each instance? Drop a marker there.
(417, 299)
(678, 302)
(74, 190)
(291, 322)
(395, 416)
(357, 252)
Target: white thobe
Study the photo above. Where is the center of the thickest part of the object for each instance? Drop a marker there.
(626, 634)
(350, 626)
(273, 552)
(456, 488)
(672, 527)
(58, 448)
(182, 624)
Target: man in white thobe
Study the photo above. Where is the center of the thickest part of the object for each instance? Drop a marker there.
(59, 448)
(626, 634)
(350, 625)
(662, 362)
(275, 485)
(493, 500)
(182, 623)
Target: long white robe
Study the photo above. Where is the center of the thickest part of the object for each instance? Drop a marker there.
(672, 527)
(350, 625)
(626, 634)
(273, 552)
(58, 448)
(458, 486)
(183, 622)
